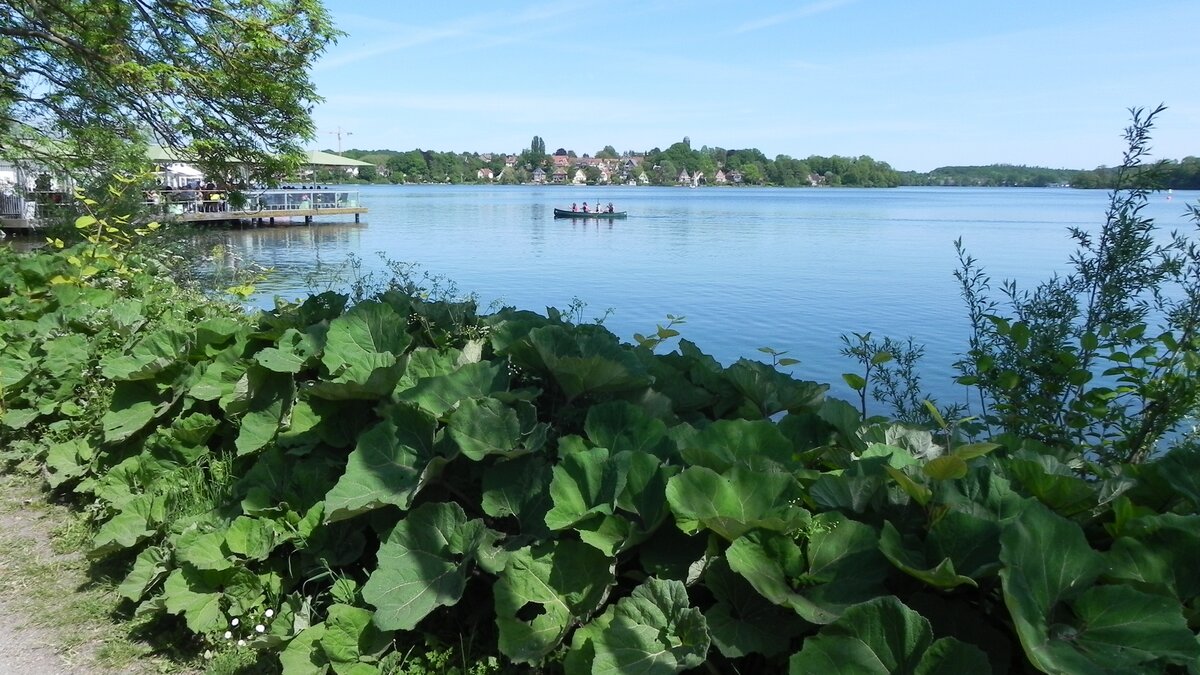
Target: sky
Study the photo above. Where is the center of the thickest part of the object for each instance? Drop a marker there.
(916, 84)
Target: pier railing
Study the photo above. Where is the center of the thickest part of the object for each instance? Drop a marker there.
(180, 202)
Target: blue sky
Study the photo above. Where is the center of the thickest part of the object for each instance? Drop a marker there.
(918, 84)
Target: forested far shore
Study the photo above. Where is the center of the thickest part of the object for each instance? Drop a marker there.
(682, 164)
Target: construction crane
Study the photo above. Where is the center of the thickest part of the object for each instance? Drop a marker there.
(339, 133)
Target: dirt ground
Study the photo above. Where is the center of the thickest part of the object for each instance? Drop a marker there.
(27, 647)
(52, 617)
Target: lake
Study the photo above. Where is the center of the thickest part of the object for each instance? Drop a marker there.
(789, 269)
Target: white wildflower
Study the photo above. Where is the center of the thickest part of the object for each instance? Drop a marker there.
(270, 613)
(228, 635)
(241, 643)
(260, 628)
(234, 623)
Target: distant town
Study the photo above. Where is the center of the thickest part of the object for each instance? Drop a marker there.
(681, 164)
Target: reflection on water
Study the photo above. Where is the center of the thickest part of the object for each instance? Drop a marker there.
(300, 257)
(23, 242)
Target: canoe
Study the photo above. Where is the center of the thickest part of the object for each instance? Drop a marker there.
(564, 213)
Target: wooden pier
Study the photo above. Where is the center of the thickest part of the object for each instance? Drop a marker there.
(261, 207)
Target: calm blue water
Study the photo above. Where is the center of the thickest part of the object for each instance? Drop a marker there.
(790, 269)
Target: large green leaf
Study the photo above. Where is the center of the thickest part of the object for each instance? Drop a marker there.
(641, 504)
(614, 501)
(19, 418)
(68, 460)
(883, 637)
(138, 520)
(203, 549)
(843, 417)
(194, 429)
(841, 566)
(1159, 552)
(519, 487)
(742, 621)
(735, 503)
(16, 370)
(424, 563)
(483, 427)
(350, 634)
(1053, 483)
(199, 595)
(133, 406)
(251, 538)
(653, 630)
(356, 385)
(293, 354)
(66, 357)
(970, 542)
(587, 361)
(391, 463)
(277, 479)
(1109, 628)
(195, 594)
(362, 353)
(269, 400)
(1038, 576)
(150, 356)
(212, 334)
(1120, 628)
(771, 391)
(620, 426)
(303, 655)
(370, 335)
(1180, 468)
(914, 562)
(860, 488)
(427, 362)
(221, 375)
(727, 443)
(149, 569)
(585, 483)
(543, 591)
(439, 392)
(983, 493)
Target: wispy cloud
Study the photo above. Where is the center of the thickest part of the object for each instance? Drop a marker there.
(798, 13)
(486, 104)
(795, 64)
(479, 26)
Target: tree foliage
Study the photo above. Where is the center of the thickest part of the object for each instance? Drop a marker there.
(219, 79)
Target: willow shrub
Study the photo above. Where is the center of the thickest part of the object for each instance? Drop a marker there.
(1104, 359)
